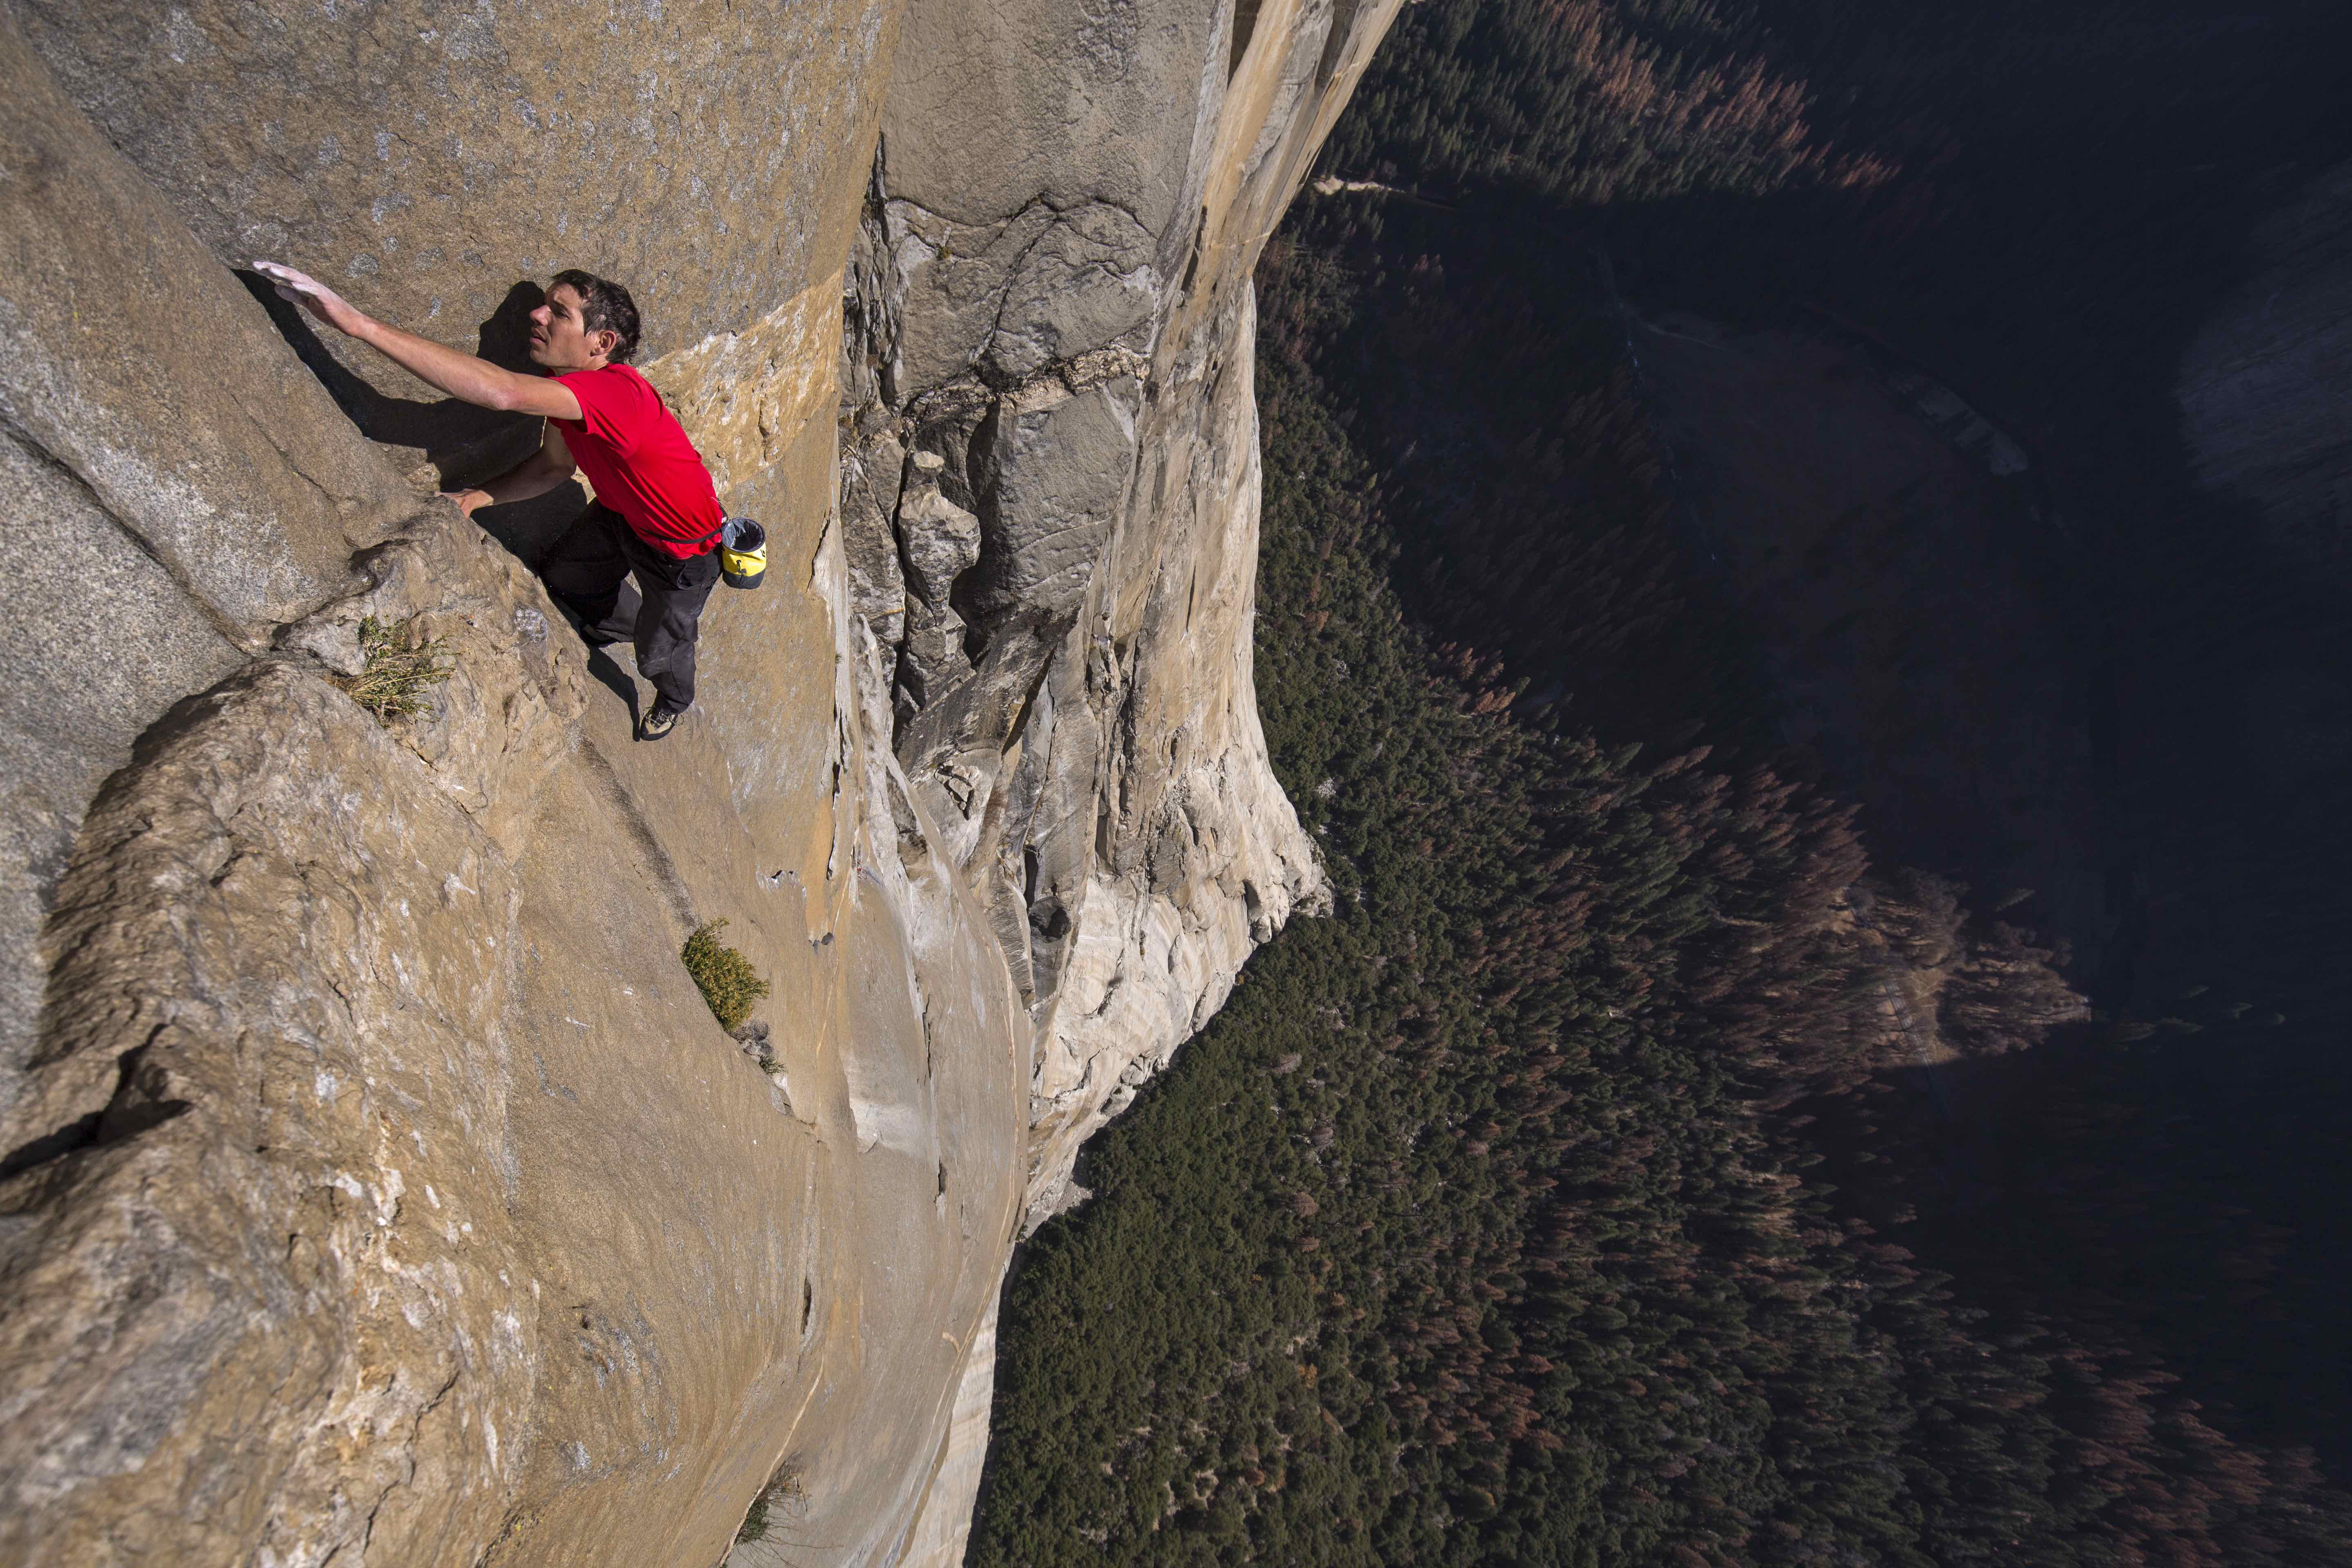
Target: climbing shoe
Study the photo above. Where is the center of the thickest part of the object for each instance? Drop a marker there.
(659, 720)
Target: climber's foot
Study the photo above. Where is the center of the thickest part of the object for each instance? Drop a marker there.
(659, 720)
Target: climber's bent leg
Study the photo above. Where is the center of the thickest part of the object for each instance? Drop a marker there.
(587, 572)
(671, 618)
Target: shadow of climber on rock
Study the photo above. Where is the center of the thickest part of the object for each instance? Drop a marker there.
(466, 444)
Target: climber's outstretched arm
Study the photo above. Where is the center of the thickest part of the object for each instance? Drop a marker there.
(461, 375)
(534, 475)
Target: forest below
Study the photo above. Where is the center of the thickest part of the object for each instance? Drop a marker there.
(1661, 1154)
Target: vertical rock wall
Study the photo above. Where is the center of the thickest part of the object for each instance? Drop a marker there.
(376, 1186)
(1049, 501)
(1050, 496)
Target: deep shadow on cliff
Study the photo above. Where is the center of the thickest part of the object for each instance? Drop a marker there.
(2106, 681)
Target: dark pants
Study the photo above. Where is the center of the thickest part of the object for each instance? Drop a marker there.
(588, 572)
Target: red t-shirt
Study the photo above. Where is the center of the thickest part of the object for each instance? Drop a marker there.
(635, 453)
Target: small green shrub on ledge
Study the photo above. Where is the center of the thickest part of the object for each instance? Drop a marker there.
(392, 684)
(783, 1493)
(727, 979)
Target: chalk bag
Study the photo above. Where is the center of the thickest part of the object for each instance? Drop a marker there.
(742, 552)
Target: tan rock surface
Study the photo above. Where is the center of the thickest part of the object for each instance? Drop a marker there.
(426, 1205)
(155, 538)
(1050, 342)
(1063, 353)
(377, 1188)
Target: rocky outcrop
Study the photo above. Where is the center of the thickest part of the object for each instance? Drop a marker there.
(377, 1187)
(1950, 986)
(1050, 502)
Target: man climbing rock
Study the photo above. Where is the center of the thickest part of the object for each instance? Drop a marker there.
(656, 515)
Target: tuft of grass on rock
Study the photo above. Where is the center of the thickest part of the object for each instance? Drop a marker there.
(726, 977)
(783, 1493)
(398, 670)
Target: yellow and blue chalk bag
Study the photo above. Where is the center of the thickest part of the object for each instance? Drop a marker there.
(742, 552)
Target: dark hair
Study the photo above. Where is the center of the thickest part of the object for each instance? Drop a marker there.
(604, 307)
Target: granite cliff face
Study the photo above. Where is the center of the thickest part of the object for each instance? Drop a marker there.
(378, 1188)
(1050, 500)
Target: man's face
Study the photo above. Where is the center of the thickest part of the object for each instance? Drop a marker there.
(559, 338)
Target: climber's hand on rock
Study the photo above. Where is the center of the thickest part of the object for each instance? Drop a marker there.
(313, 296)
(467, 501)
